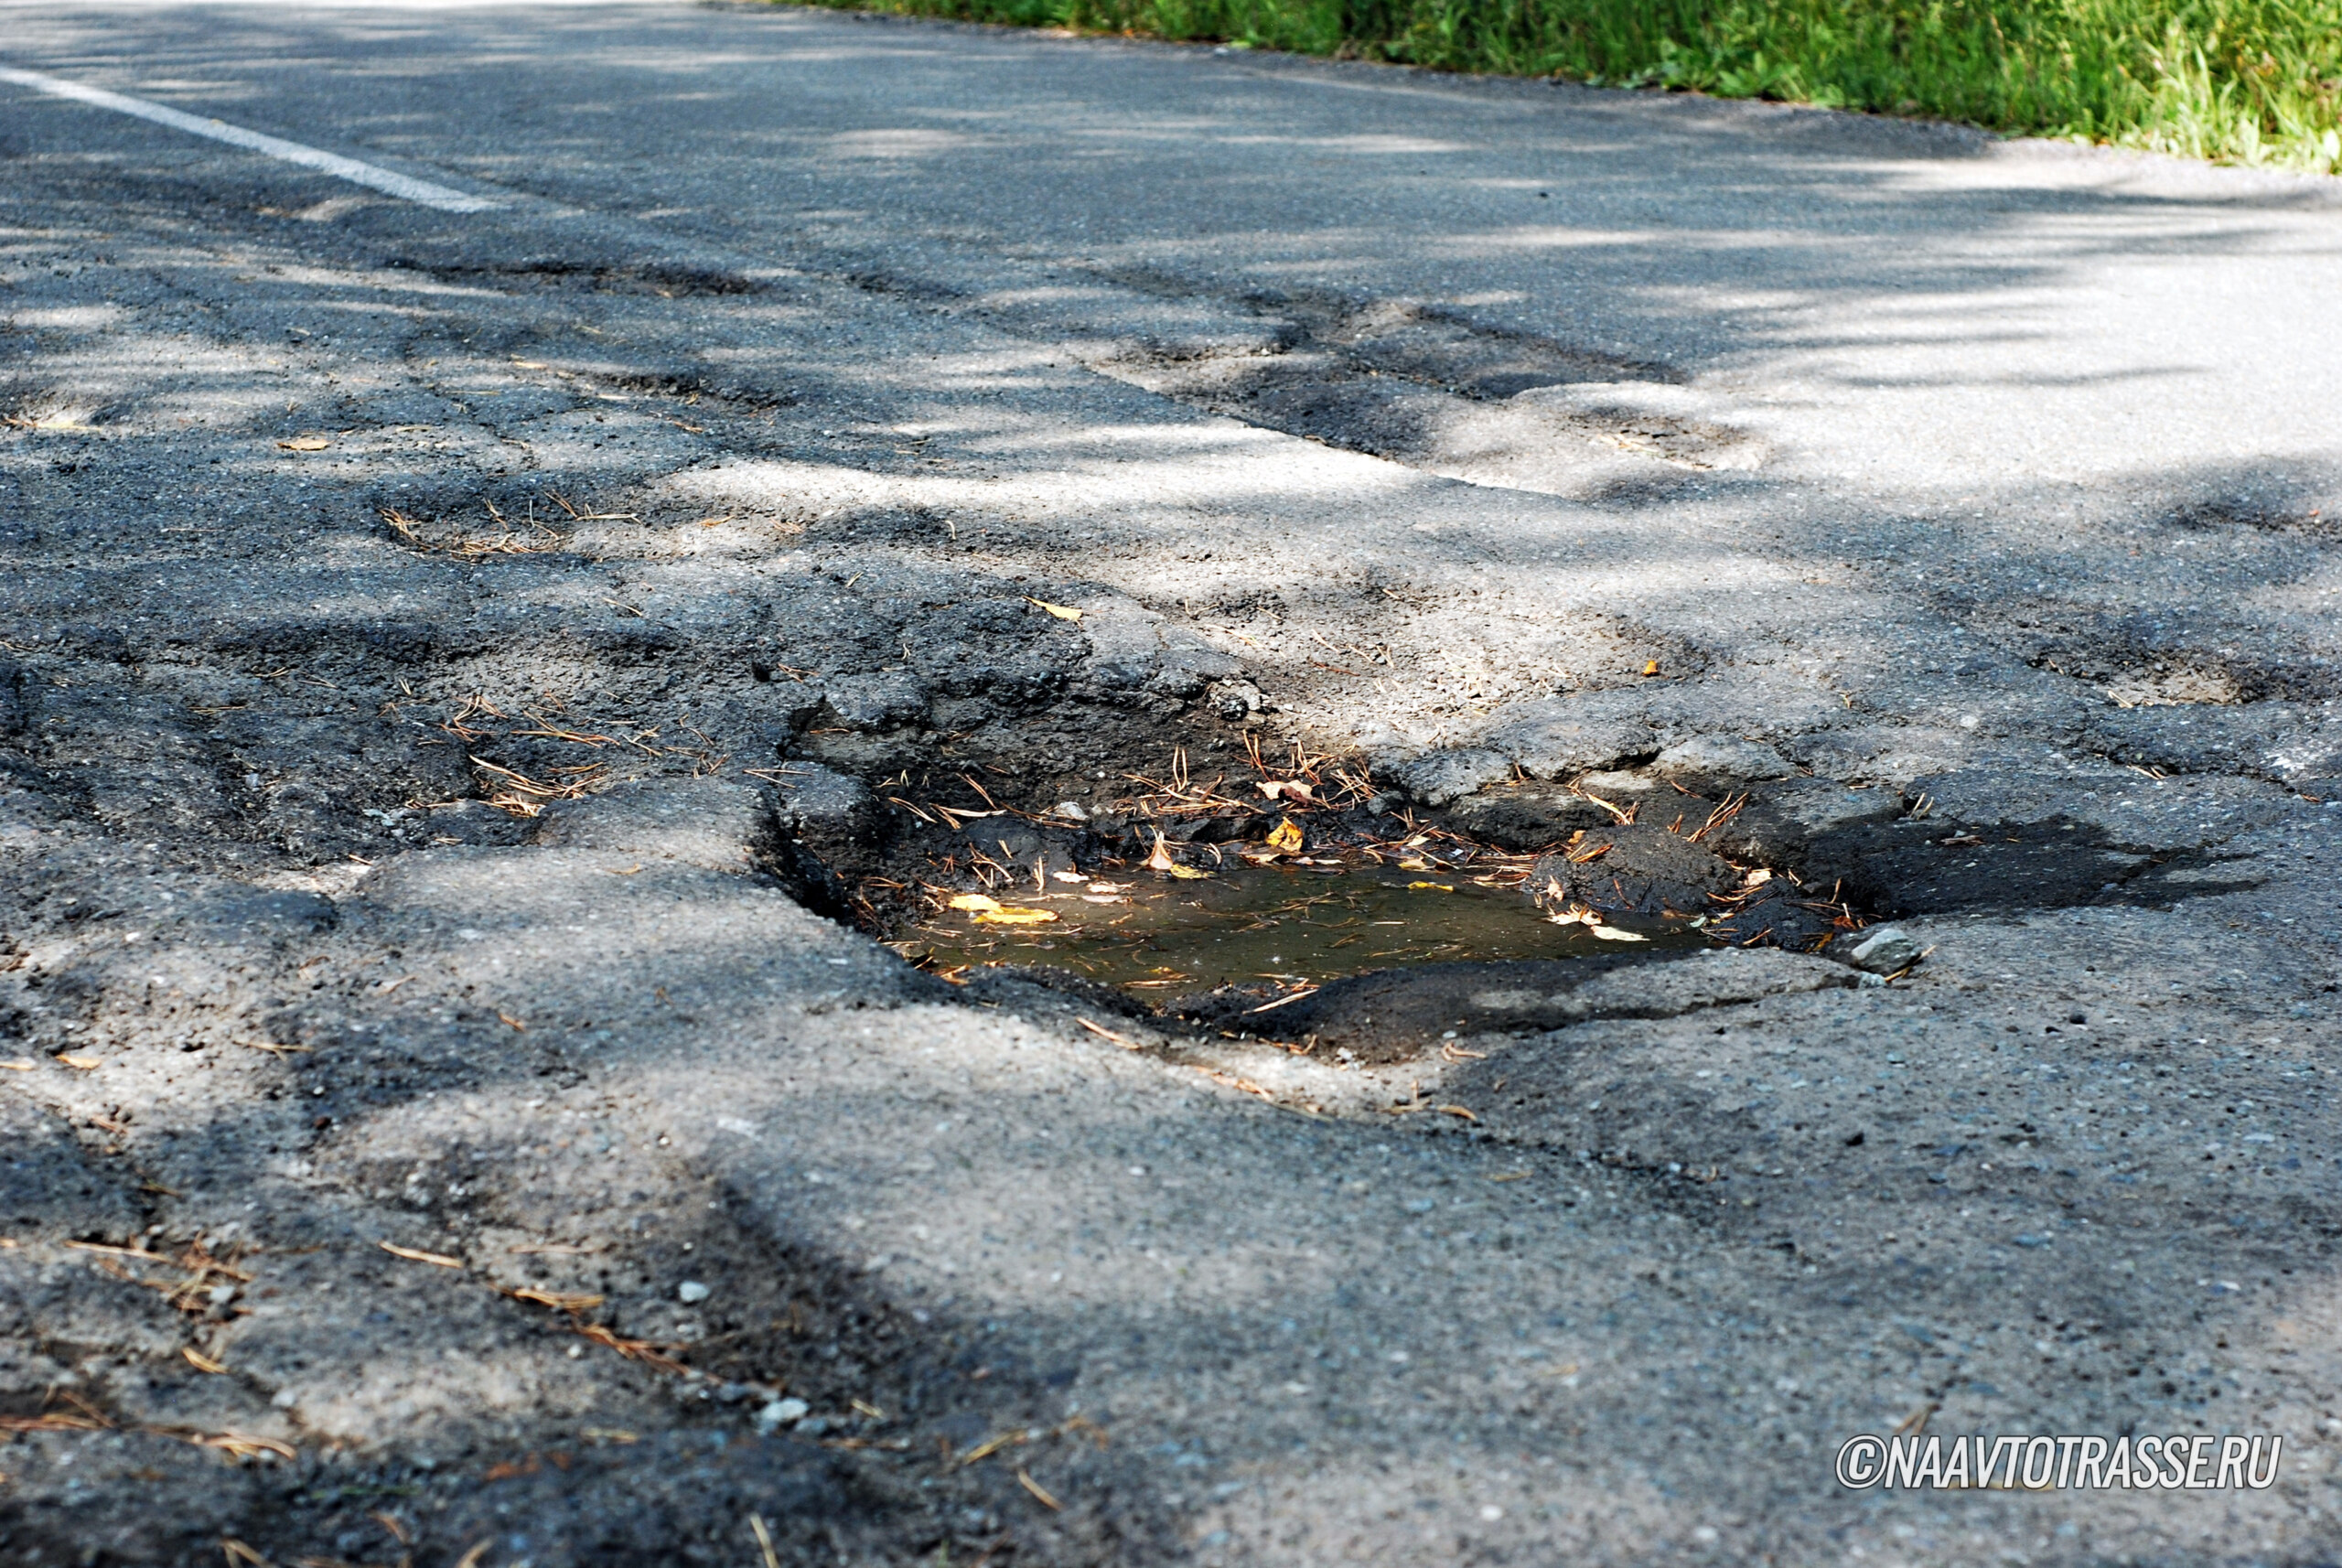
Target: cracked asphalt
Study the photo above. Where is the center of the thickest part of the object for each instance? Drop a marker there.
(461, 675)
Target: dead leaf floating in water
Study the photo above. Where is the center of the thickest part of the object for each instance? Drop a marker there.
(1015, 915)
(1161, 861)
(1595, 925)
(992, 911)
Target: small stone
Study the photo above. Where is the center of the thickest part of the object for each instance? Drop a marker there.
(781, 1413)
(1235, 699)
(690, 1292)
(1881, 949)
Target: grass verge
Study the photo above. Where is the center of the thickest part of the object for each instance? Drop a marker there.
(2246, 81)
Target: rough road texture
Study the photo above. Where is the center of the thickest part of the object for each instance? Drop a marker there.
(1395, 415)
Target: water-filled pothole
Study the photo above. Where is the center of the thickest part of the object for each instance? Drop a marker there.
(1299, 902)
(1279, 924)
(1266, 883)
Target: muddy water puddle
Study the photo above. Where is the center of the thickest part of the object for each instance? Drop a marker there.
(1248, 925)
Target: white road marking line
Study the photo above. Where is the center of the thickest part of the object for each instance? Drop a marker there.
(404, 186)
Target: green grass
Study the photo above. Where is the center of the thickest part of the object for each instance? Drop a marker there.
(2247, 82)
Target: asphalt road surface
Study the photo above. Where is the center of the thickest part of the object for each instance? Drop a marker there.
(532, 534)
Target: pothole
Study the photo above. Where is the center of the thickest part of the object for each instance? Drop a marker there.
(1427, 387)
(1299, 903)
(666, 281)
(1295, 901)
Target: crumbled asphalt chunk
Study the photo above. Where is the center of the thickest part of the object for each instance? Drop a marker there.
(1437, 777)
(1711, 759)
(1780, 824)
(1525, 818)
(1635, 868)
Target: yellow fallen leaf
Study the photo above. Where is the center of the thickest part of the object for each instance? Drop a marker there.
(1650, 666)
(1060, 611)
(1187, 873)
(200, 1361)
(1014, 914)
(87, 1064)
(975, 901)
(1433, 886)
(306, 444)
(1287, 837)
